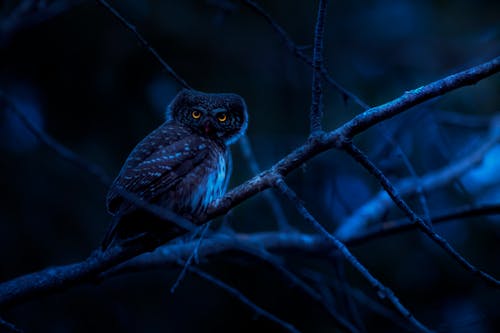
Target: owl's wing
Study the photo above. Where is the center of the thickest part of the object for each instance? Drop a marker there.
(161, 168)
(168, 133)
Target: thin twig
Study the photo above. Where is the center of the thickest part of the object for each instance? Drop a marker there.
(297, 281)
(316, 114)
(9, 326)
(95, 170)
(419, 190)
(358, 124)
(43, 282)
(360, 297)
(190, 259)
(375, 208)
(297, 51)
(362, 159)
(419, 95)
(144, 43)
(396, 227)
(242, 298)
(248, 154)
(55, 146)
(472, 121)
(63, 277)
(350, 307)
(382, 290)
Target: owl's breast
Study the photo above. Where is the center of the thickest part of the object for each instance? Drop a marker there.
(204, 185)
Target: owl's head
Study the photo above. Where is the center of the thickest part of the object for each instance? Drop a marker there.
(222, 116)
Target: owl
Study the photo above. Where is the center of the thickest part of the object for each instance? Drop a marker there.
(183, 165)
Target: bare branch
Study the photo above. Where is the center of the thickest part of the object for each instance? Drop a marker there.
(296, 281)
(144, 43)
(245, 300)
(382, 290)
(292, 46)
(49, 280)
(419, 189)
(317, 93)
(97, 265)
(374, 209)
(419, 95)
(315, 146)
(95, 170)
(187, 263)
(9, 326)
(398, 226)
(62, 277)
(360, 297)
(248, 154)
(55, 146)
(362, 159)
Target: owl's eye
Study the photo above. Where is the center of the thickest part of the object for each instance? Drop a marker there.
(196, 114)
(222, 117)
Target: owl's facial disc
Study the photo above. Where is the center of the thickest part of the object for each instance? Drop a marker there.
(220, 116)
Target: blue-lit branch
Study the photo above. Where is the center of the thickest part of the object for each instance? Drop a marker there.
(63, 277)
(336, 138)
(279, 214)
(187, 263)
(375, 208)
(362, 159)
(294, 280)
(394, 227)
(382, 291)
(9, 327)
(317, 105)
(98, 265)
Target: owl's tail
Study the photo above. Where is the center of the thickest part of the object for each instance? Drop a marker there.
(141, 228)
(109, 238)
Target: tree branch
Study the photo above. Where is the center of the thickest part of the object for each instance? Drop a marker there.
(265, 256)
(375, 208)
(96, 266)
(95, 170)
(395, 227)
(63, 277)
(279, 214)
(382, 290)
(9, 326)
(144, 43)
(317, 93)
(245, 300)
(296, 51)
(316, 145)
(362, 159)
(58, 148)
(419, 95)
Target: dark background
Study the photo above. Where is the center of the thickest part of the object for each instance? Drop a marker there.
(78, 74)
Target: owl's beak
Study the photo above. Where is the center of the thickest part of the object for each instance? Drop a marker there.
(208, 127)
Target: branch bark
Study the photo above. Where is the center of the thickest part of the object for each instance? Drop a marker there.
(318, 144)
(63, 277)
(375, 208)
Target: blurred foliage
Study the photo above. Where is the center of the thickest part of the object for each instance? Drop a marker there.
(73, 69)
